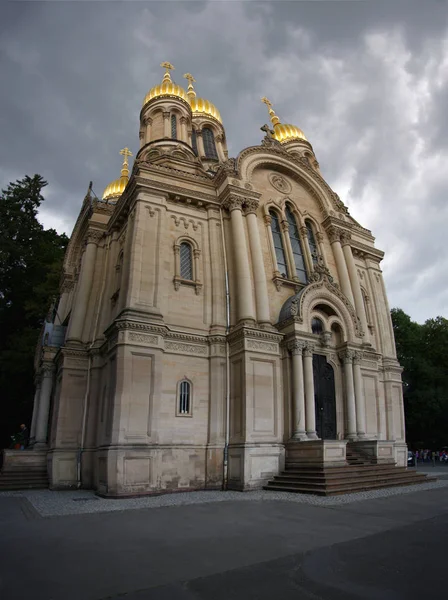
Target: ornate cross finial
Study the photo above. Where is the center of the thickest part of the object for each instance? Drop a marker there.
(189, 77)
(267, 102)
(168, 67)
(126, 153)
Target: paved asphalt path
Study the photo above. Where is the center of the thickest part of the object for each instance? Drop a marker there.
(383, 549)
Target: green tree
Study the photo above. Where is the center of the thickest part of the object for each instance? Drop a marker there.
(30, 267)
(422, 351)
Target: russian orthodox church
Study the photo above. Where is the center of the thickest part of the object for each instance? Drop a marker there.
(216, 316)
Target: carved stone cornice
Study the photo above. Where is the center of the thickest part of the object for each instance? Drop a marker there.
(102, 208)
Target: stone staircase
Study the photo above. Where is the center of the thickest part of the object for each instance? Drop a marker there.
(358, 475)
(24, 479)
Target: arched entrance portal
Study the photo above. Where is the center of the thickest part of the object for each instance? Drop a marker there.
(324, 398)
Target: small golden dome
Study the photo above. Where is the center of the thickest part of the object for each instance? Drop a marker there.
(167, 87)
(117, 187)
(283, 132)
(286, 133)
(200, 106)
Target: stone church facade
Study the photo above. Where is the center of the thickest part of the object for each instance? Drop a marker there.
(215, 314)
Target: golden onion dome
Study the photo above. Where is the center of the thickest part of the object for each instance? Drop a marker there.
(167, 87)
(200, 106)
(283, 132)
(117, 187)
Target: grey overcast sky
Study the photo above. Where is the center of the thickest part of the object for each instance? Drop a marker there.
(366, 81)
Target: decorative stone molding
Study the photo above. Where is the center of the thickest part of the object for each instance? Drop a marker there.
(267, 219)
(334, 234)
(262, 346)
(280, 183)
(143, 338)
(186, 222)
(233, 203)
(308, 349)
(186, 348)
(94, 236)
(346, 238)
(280, 281)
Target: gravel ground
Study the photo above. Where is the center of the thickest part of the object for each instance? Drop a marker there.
(49, 504)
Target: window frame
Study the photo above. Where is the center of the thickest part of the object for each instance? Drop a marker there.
(179, 412)
(213, 155)
(295, 236)
(178, 280)
(173, 126)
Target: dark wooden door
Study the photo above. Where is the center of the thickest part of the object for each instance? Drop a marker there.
(325, 398)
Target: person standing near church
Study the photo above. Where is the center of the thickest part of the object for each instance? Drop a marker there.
(24, 436)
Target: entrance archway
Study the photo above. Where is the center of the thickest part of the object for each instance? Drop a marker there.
(324, 398)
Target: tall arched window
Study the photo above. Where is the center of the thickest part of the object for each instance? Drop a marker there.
(184, 398)
(186, 261)
(316, 326)
(209, 143)
(278, 244)
(173, 127)
(312, 242)
(296, 246)
(194, 142)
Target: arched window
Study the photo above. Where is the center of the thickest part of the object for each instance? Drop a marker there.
(173, 127)
(194, 142)
(184, 398)
(317, 326)
(296, 246)
(209, 143)
(278, 244)
(186, 261)
(312, 242)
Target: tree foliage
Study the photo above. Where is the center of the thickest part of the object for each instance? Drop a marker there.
(30, 268)
(422, 351)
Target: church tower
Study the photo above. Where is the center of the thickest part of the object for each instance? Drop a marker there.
(218, 317)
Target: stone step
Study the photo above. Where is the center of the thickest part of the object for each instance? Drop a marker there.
(339, 477)
(354, 487)
(300, 468)
(343, 481)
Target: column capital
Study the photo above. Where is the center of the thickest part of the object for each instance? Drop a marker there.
(147, 121)
(94, 236)
(319, 236)
(347, 356)
(303, 231)
(234, 203)
(166, 114)
(47, 369)
(296, 347)
(359, 355)
(308, 349)
(334, 233)
(183, 120)
(346, 238)
(251, 205)
(198, 132)
(267, 219)
(284, 226)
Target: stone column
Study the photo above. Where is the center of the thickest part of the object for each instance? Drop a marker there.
(219, 148)
(166, 124)
(183, 129)
(259, 272)
(359, 396)
(111, 283)
(303, 232)
(84, 287)
(310, 408)
(147, 122)
(344, 279)
(200, 144)
(353, 275)
(44, 406)
(347, 357)
(298, 392)
(243, 292)
(38, 383)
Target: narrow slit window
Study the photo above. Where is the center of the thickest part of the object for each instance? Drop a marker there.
(184, 398)
(296, 246)
(186, 262)
(209, 143)
(194, 142)
(173, 127)
(312, 242)
(278, 244)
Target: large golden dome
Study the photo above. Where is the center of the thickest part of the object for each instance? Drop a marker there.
(117, 187)
(167, 87)
(200, 106)
(283, 132)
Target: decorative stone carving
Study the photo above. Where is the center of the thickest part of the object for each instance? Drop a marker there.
(251, 206)
(358, 357)
(186, 348)
(94, 236)
(280, 183)
(141, 337)
(297, 346)
(233, 203)
(325, 338)
(346, 238)
(334, 233)
(308, 349)
(263, 346)
(347, 356)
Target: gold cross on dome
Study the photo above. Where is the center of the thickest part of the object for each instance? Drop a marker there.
(267, 102)
(125, 152)
(168, 66)
(189, 77)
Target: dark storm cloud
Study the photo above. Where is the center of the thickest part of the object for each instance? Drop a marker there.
(366, 81)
